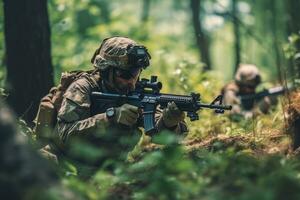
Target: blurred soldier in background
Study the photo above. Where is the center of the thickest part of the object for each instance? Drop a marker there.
(247, 78)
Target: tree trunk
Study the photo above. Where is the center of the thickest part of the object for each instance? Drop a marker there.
(274, 19)
(28, 59)
(293, 7)
(145, 11)
(237, 44)
(202, 40)
(105, 8)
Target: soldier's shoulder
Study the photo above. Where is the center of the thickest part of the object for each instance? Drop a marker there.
(80, 89)
(231, 86)
(86, 81)
(92, 77)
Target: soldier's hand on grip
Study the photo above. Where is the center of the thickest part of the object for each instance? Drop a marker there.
(172, 115)
(126, 114)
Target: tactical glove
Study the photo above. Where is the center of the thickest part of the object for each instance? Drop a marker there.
(266, 103)
(172, 115)
(126, 115)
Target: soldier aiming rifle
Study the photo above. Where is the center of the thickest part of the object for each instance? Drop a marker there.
(241, 93)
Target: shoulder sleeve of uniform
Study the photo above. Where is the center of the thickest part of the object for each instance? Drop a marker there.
(230, 92)
(232, 86)
(79, 92)
(76, 102)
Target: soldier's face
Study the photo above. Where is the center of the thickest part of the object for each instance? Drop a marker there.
(125, 83)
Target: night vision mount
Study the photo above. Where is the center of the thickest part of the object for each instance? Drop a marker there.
(138, 56)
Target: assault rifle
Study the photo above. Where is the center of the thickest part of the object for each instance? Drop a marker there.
(249, 99)
(147, 96)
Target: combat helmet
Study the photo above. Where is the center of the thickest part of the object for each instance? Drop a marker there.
(248, 75)
(120, 52)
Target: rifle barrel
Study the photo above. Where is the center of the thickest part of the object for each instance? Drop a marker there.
(214, 106)
(269, 92)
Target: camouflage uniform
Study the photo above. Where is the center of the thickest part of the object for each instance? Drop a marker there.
(247, 75)
(79, 118)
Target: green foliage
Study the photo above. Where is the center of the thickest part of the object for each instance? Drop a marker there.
(290, 48)
(238, 168)
(3, 94)
(170, 173)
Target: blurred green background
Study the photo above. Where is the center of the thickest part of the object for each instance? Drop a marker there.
(166, 28)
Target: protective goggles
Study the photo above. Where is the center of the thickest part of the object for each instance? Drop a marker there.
(251, 83)
(127, 74)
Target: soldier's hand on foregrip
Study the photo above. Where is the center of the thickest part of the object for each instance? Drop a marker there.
(126, 114)
(172, 115)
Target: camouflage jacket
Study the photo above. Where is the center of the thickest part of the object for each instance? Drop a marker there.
(231, 93)
(78, 116)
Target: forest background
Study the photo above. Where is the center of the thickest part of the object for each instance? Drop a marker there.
(196, 45)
